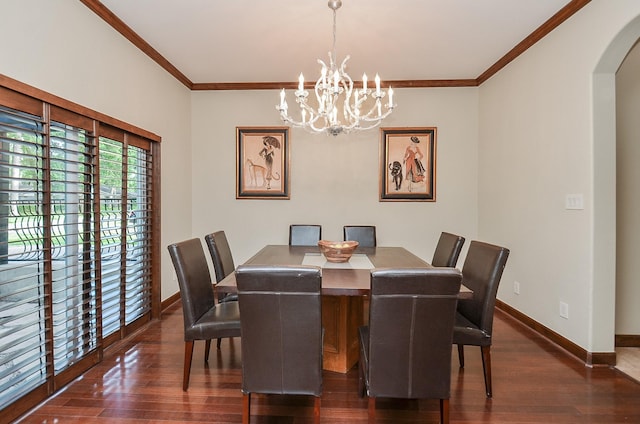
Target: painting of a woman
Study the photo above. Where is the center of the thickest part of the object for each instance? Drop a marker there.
(413, 162)
(262, 163)
(407, 164)
(270, 143)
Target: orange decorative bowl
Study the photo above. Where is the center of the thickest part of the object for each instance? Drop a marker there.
(337, 251)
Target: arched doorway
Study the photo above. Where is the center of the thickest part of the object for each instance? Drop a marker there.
(627, 330)
(604, 154)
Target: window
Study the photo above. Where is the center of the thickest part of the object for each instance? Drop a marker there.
(76, 245)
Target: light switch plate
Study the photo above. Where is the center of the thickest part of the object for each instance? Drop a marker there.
(574, 201)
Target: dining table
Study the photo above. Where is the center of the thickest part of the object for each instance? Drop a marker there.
(345, 291)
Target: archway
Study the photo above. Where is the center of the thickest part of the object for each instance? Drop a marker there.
(602, 326)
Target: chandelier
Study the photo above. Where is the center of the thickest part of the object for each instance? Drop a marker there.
(339, 106)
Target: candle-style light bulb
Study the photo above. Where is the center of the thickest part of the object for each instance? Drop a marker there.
(377, 85)
(300, 82)
(282, 99)
(364, 82)
(390, 97)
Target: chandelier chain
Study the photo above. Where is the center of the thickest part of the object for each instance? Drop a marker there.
(333, 48)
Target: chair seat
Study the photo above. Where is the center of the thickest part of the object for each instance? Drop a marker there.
(220, 321)
(465, 332)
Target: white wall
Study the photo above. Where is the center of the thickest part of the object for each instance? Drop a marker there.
(536, 146)
(334, 180)
(628, 194)
(63, 48)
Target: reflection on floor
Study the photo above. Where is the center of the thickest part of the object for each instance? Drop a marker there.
(628, 361)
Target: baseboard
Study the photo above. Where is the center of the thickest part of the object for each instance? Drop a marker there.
(170, 301)
(589, 358)
(627, 340)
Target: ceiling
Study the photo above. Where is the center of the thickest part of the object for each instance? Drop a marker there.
(252, 41)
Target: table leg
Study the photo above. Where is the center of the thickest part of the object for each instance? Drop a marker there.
(341, 317)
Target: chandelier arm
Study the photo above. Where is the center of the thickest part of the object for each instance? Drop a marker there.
(375, 108)
(306, 124)
(368, 127)
(377, 118)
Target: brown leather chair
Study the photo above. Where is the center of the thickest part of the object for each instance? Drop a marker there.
(481, 272)
(220, 254)
(304, 235)
(204, 319)
(222, 258)
(281, 332)
(405, 352)
(222, 262)
(447, 250)
(365, 235)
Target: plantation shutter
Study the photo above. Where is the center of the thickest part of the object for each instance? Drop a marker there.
(138, 227)
(126, 220)
(23, 294)
(73, 245)
(76, 247)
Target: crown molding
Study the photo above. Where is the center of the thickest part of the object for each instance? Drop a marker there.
(116, 23)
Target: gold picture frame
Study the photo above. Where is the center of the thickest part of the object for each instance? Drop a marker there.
(262, 163)
(408, 164)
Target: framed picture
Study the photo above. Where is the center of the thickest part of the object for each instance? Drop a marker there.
(262, 163)
(408, 164)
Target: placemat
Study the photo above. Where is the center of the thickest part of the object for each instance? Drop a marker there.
(357, 261)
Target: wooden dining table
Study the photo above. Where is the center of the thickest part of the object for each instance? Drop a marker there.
(345, 291)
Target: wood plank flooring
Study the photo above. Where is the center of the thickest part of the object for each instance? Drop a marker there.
(534, 381)
(628, 361)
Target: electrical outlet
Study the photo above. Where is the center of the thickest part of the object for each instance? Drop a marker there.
(516, 287)
(564, 310)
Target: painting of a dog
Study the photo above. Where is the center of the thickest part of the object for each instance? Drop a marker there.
(396, 173)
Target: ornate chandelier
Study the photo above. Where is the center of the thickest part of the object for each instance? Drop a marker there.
(339, 106)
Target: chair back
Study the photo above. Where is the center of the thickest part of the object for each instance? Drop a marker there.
(194, 280)
(447, 250)
(411, 319)
(481, 272)
(365, 235)
(281, 329)
(220, 254)
(304, 235)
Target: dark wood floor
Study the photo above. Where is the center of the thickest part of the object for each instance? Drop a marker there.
(533, 382)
